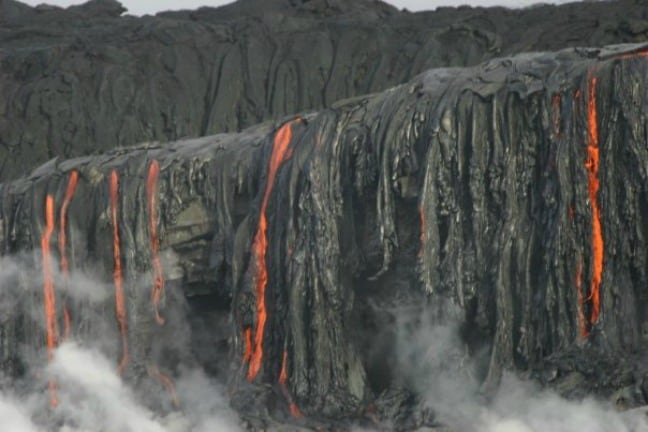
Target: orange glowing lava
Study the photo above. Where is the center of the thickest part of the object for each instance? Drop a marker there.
(66, 322)
(248, 345)
(283, 383)
(280, 153)
(62, 241)
(631, 55)
(69, 193)
(120, 303)
(592, 165)
(166, 382)
(582, 322)
(152, 202)
(283, 375)
(51, 326)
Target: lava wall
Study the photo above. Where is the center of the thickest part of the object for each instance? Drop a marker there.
(70, 90)
(515, 189)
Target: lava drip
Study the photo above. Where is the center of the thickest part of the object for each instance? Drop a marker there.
(51, 326)
(62, 241)
(66, 321)
(152, 202)
(582, 321)
(166, 382)
(283, 384)
(280, 153)
(120, 303)
(248, 345)
(592, 165)
(636, 54)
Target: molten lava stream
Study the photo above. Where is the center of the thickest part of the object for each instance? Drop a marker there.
(283, 383)
(120, 303)
(592, 165)
(248, 345)
(166, 382)
(62, 242)
(66, 321)
(152, 202)
(48, 291)
(631, 55)
(280, 153)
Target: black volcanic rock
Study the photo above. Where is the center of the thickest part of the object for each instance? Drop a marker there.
(481, 187)
(86, 79)
(99, 9)
(12, 11)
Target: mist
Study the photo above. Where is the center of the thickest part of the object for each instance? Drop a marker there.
(432, 361)
(91, 395)
(93, 398)
(435, 363)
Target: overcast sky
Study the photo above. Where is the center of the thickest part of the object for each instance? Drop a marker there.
(139, 7)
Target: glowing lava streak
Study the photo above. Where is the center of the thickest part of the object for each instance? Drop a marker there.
(631, 55)
(283, 383)
(66, 321)
(166, 382)
(248, 345)
(280, 153)
(62, 240)
(69, 193)
(48, 288)
(152, 202)
(120, 303)
(592, 165)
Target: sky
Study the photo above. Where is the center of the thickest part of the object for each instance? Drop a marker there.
(139, 7)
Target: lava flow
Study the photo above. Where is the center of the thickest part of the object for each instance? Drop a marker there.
(248, 345)
(66, 321)
(62, 241)
(120, 303)
(152, 202)
(283, 383)
(635, 54)
(280, 153)
(166, 382)
(69, 193)
(49, 294)
(592, 165)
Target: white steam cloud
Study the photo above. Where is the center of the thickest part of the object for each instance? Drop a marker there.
(91, 396)
(14, 417)
(436, 365)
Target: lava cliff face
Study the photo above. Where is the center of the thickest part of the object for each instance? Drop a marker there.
(71, 90)
(514, 190)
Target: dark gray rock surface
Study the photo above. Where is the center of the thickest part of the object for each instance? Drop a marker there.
(471, 186)
(88, 79)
